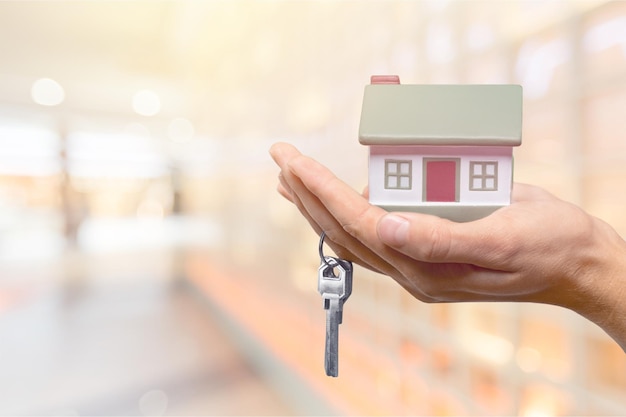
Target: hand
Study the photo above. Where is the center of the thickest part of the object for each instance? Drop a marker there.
(538, 249)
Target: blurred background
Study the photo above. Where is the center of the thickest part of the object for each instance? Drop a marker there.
(148, 267)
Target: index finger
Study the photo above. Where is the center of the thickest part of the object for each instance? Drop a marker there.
(353, 212)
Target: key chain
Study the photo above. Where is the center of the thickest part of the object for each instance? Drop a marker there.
(320, 250)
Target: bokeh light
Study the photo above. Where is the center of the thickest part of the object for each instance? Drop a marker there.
(47, 92)
(146, 103)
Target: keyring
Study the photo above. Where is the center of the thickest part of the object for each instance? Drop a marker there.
(321, 252)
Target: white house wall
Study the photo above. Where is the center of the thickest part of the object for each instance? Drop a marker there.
(381, 196)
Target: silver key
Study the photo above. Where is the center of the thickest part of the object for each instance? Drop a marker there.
(335, 285)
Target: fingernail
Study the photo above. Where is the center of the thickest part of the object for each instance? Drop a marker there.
(393, 230)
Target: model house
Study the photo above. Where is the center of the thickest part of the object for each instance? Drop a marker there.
(445, 150)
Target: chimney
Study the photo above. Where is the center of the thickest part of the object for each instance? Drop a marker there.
(385, 79)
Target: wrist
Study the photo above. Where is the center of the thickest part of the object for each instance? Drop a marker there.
(602, 284)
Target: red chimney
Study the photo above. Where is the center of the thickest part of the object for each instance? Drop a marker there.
(385, 79)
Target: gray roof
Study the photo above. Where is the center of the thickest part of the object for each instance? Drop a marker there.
(436, 114)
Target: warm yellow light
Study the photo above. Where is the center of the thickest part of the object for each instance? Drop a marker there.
(146, 103)
(47, 92)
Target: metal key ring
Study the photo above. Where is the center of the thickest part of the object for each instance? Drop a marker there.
(321, 252)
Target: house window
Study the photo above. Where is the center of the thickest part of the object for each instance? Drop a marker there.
(483, 176)
(398, 174)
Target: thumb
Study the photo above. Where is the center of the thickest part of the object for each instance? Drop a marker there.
(432, 239)
(393, 230)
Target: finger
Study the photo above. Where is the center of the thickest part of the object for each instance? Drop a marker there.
(281, 180)
(282, 152)
(322, 221)
(344, 245)
(432, 239)
(341, 251)
(315, 212)
(324, 192)
(353, 212)
(365, 246)
(347, 254)
(283, 191)
(527, 192)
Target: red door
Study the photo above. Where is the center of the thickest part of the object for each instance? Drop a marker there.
(441, 180)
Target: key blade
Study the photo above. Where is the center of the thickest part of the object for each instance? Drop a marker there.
(331, 354)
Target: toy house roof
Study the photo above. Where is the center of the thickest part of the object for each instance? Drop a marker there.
(457, 115)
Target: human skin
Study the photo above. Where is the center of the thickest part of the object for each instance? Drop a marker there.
(538, 249)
